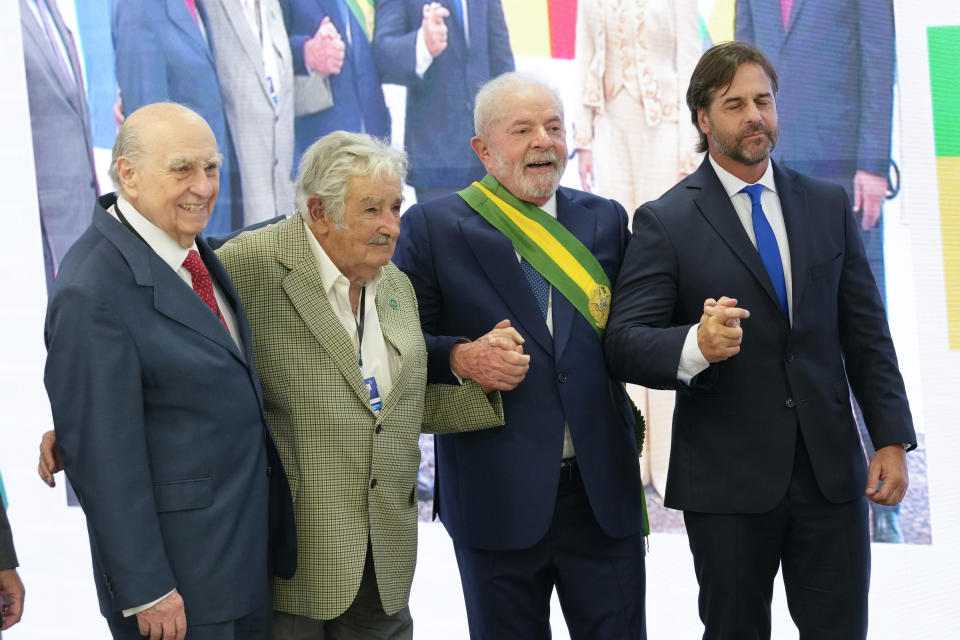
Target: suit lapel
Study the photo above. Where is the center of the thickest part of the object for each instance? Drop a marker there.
(180, 17)
(582, 224)
(793, 202)
(172, 296)
(51, 58)
(715, 206)
(306, 292)
(399, 335)
(794, 12)
(496, 255)
(247, 39)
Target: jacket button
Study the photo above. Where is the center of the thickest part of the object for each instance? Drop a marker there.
(789, 357)
(373, 483)
(378, 429)
(561, 378)
(789, 403)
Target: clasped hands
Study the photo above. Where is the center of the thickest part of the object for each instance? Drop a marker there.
(495, 360)
(324, 52)
(719, 335)
(434, 28)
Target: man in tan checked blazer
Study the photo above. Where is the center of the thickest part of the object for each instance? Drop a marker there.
(322, 298)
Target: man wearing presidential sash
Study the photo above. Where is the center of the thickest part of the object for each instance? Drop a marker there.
(554, 498)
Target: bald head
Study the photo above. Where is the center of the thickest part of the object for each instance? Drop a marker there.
(166, 164)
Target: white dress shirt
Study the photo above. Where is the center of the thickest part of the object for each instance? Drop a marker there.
(380, 360)
(692, 361)
(173, 254)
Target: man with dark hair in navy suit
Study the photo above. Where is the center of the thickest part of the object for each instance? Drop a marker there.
(766, 461)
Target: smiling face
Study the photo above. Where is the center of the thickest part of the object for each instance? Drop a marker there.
(741, 123)
(526, 149)
(365, 241)
(175, 179)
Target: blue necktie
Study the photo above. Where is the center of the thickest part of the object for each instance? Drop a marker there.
(767, 246)
(458, 11)
(539, 285)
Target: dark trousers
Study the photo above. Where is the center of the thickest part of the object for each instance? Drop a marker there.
(823, 548)
(255, 626)
(600, 580)
(364, 619)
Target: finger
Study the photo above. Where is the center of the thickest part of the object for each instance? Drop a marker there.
(709, 302)
(510, 334)
(45, 475)
(181, 626)
(873, 479)
(857, 196)
(144, 625)
(725, 301)
(721, 314)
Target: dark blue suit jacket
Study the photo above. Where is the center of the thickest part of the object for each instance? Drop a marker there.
(836, 66)
(162, 56)
(497, 489)
(159, 418)
(358, 103)
(734, 429)
(439, 120)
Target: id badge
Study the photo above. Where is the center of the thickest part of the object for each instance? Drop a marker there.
(375, 402)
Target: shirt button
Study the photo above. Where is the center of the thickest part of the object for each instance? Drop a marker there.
(373, 483)
(789, 403)
(378, 429)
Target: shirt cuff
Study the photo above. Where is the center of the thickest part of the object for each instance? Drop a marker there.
(692, 361)
(135, 610)
(424, 59)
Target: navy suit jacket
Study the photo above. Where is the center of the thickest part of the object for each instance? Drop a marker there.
(439, 120)
(497, 489)
(358, 103)
(836, 66)
(735, 428)
(159, 418)
(162, 56)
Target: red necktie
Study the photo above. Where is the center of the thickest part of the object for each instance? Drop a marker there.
(192, 6)
(786, 6)
(202, 283)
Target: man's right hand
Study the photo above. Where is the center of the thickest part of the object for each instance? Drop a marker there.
(165, 620)
(324, 52)
(719, 334)
(11, 597)
(495, 360)
(50, 462)
(434, 28)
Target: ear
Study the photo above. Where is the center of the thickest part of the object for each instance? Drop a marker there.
(703, 121)
(482, 150)
(127, 174)
(318, 217)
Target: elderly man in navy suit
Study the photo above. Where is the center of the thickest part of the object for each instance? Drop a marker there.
(766, 462)
(553, 499)
(156, 400)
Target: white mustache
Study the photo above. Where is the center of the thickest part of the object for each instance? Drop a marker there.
(380, 240)
(540, 156)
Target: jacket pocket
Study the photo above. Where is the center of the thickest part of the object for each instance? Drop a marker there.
(183, 495)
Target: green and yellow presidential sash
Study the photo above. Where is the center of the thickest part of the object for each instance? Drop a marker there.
(362, 10)
(546, 244)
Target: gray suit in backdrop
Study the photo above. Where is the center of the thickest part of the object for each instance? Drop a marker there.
(61, 135)
(262, 134)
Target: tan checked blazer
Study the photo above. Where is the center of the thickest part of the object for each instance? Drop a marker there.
(332, 445)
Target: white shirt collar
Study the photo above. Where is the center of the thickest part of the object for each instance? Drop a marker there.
(733, 185)
(550, 206)
(166, 247)
(329, 273)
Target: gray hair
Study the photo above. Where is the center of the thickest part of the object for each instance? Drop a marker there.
(128, 146)
(329, 163)
(489, 105)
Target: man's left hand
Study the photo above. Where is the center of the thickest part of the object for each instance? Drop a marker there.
(50, 462)
(11, 593)
(887, 475)
(869, 191)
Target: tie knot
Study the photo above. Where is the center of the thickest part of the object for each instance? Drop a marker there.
(754, 191)
(195, 265)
